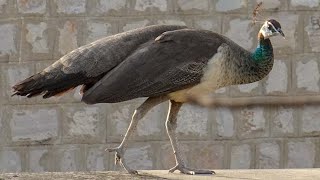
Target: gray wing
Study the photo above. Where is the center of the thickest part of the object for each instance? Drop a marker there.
(102, 55)
(174, 61)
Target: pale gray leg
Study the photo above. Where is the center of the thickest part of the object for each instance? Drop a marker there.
(138, 114)
(171, 125)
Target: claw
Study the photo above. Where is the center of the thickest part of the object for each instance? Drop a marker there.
(191, 171)
(119, 159)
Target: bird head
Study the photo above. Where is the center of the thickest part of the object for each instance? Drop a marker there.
(271, 28)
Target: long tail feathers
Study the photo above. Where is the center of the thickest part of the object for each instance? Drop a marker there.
(39, 84)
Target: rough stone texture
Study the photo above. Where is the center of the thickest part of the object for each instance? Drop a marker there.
(97, 30)
(224, 122)
(83, 123)
(139, 157)
(204, 155)
(304, 4)
(269, 156)
(240, 31)
(310, 120)
(68, 158)
(41, 159)
(283, 122)
(71, 6)
(148, 127)
(110, 6)
(143, 5)
(186, 5)
(34, 124)
(252, 122)
(240, 157)
(62, 134)
(301, 154)
(231, 5)
(32, 6)
(96, 158)
(8, 34)
(10, 160)
(308, 69)
(192, 121)
(135, 24)
(277, 81)
(312, 33)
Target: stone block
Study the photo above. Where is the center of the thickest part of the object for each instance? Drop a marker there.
(70, 36)
(97, 158)
(9, 35)
(165, 159)
(204, 155)
(134, 24)
(252, 122)
(224, 125)
(6, 7)
(268, 155)
(69, 158)
(10, 160)
(301, 154)
(208, 23)
(251, 89)
(312, 33)
(239, 29)
(83, 124)
(99, 28)
(241, 156)
(310, 120)
(139, 156)
(32, 6)
(192, 6)
(70, 7)
(41, 159)
(37, 40)
(292, 26)
(150, 127)
(174, 21)
(277, 82)
(34, 124)
(193, 122)
(283, 121)
(306, 74)
(269, 5)
(304, 5)
(231, 6)
(110, 7)
(13, 73)
(151, 6)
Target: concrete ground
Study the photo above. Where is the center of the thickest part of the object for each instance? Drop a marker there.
(273, 174)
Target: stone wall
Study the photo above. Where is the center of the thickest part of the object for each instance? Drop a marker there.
(62, 134)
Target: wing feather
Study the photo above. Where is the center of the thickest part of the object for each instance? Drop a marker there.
(173, 61)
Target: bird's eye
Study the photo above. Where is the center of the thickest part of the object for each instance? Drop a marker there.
(270, 27)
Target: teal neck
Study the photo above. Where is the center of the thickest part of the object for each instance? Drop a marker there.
(264, 50)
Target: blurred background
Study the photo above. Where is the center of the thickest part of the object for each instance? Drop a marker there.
(63, 134)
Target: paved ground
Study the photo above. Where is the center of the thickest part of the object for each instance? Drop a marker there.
(276, 174)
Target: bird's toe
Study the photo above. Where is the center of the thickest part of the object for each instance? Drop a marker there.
(190, 171)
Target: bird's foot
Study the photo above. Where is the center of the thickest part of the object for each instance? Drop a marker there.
(119, 159)
(191, 171)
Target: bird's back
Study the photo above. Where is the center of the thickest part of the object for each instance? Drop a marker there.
(86, 65)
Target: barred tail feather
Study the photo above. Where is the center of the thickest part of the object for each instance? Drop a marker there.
(41, 84)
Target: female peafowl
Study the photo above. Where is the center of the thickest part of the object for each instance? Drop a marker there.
(161, 62)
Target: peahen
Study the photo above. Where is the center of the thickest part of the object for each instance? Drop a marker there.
(161, 62)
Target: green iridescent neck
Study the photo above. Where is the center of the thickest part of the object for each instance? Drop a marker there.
(264, 50)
